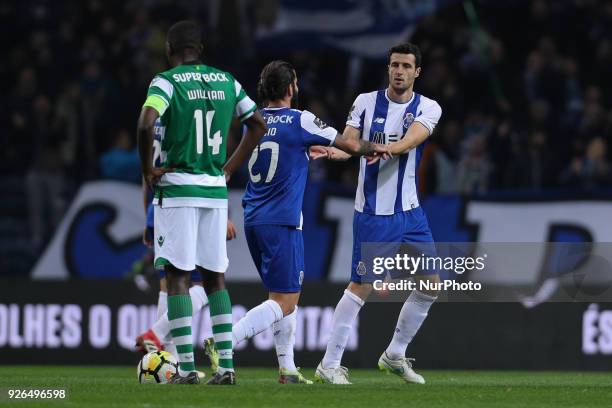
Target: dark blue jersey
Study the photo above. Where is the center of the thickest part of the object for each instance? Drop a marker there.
(278, 167)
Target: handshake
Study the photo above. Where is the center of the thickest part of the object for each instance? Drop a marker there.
(373, 152)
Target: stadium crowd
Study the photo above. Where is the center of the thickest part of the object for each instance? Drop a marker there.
(525, 91)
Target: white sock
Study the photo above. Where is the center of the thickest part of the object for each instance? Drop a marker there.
(257, 320)
(411, 317)
(170, 347)
(284, 339)
(162, 304)
(161, 327)
(346, 311)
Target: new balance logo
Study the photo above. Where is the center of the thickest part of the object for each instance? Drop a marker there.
(379, 120)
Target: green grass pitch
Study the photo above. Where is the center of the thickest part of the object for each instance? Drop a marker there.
(118, 387)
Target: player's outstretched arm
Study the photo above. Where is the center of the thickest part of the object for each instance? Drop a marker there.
(330, 153)
(256, 128)
(347, 144)
(415, 135)
(351, 143)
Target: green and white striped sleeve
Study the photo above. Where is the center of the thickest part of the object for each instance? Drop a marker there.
(159, 94)
(245, 107)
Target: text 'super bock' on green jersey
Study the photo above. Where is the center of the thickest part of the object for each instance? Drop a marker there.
(196, 104)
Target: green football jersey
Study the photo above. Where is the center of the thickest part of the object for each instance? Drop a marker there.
(196, 104)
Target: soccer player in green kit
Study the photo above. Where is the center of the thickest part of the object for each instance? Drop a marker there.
(196, 103)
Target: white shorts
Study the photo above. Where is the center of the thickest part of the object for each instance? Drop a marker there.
(190, 236)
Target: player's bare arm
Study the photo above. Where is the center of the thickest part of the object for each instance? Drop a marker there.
(231, 230)
(256, 128)
(348, 144)
(145, 201)
(144, 135)
(416, 134)
(145, 195)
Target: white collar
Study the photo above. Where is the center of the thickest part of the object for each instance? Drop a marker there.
(405, 103)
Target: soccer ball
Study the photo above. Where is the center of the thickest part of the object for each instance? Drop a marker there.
(156, 367)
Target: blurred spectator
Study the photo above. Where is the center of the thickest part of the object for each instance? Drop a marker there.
(591, 170)
(518, 105)
(443, 162)
(68, 117)
(532, 163)
(45, 179)
(93, 60)
(474, 167)
(121, 162)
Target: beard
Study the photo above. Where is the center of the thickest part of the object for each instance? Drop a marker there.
(401, 88)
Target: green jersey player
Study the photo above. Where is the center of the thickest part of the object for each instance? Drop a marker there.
(195, 103)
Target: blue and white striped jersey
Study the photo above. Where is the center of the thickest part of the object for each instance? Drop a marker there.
(390, 186)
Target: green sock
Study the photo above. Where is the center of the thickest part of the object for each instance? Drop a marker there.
(221, 315)
(179, 316)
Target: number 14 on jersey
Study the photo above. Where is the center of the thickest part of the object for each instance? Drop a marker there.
(215, 141)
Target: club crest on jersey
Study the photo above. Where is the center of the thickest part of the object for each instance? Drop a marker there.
(160, 240)
(361, 268)
(408, 119)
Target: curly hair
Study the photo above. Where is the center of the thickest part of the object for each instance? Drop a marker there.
(274, 80)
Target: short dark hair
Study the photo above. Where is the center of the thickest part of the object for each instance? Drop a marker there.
(184, 35)
(274, 80)
(407, 48)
